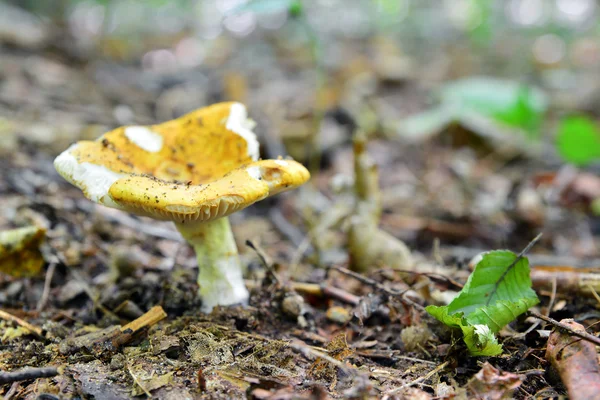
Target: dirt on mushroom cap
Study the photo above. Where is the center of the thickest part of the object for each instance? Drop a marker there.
(183, 202)
(196, 148)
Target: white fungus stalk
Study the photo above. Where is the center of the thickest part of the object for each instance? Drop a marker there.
(220, 278)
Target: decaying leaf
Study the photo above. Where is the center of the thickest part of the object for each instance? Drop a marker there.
(20, 254)
(415, 337)
(576, 362)
(234, 356)
(323, 369)
(97, 380)
(150, 382)
(11, 333)
(490, 383)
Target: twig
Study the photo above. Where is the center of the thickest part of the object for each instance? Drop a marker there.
(430, 275)
(420, 379)
(340, 294)
(47, 283)
(264, 259)
(511, 266)
(377, 285)
(125, 334)
(13, 391)
(299, 253)
(584, 335)
(27, 374)
(466, 253)
(393, 355)
(326, 290)
(307, 351)
(150, 318)
(31, 328)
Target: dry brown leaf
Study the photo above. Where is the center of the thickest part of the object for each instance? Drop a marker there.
(490, 383)
(576, 362)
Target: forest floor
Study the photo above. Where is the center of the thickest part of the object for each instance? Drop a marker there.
(312, 329)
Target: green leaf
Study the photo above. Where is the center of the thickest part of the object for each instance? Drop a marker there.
(507, 102)
(294, 7)
(480, 341)
(578, 140)
(481, 34)
(426, 123)
(441, 314)
(496, 293)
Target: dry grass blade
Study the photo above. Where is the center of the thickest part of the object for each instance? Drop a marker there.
(308, 351)
(31, 328)
(419, 379)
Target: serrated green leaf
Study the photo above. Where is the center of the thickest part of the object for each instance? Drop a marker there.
(496, 293)
(578, 140)
(442, 315)
(494, 296)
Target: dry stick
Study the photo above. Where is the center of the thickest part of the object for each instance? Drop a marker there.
(392, 356)
(377, 285)
(27, 374)
(534, 259)
(307, 351)
(420, 379)
(150, 318)
(47, 282)
(325, 290)
(31, 328)
(263, 258)
(431, 275)
(311, 288)
(12, 392)
(584, 335)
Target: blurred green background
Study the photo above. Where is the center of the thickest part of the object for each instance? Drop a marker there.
(550, 44)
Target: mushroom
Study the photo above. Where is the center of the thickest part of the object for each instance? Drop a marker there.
(195, 171)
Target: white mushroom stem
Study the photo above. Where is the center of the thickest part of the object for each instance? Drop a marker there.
(220, 271)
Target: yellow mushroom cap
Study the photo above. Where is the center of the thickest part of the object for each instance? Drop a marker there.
(200, 166)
